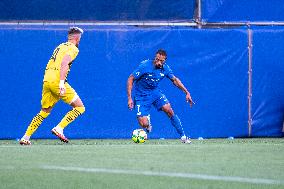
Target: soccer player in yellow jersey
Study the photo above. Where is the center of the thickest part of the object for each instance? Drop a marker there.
(55, 87)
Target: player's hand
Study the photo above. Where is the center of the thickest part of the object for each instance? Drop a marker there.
(189, 99)
(62, 88)
(130, 104)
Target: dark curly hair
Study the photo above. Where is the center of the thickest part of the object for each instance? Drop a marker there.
(162, 52)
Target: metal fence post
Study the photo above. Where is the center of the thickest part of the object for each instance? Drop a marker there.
(250, 46)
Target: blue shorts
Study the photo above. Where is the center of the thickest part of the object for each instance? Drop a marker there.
(143, 104)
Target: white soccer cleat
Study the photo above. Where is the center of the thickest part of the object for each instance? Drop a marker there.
(149, 129)
(185, 139)
(59, 133)
(25, 142)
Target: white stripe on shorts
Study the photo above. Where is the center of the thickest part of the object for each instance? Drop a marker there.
(74, 98)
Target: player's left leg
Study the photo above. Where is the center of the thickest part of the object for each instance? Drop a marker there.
(78, 109)
(33, 126)
(47, 102)
(143, 114)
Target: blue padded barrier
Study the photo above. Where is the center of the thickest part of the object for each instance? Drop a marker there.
(94, 10)
(268, 81)
(242, 10)
(211, 63)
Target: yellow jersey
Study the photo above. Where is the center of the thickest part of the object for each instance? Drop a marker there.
(52, 70)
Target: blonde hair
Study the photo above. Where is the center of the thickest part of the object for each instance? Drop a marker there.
(75, 30)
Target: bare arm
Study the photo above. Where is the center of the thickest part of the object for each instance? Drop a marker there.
(64, 66)
(176, 81)
(129, 90)
(63, 71)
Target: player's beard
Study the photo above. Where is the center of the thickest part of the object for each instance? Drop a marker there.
(159, 67)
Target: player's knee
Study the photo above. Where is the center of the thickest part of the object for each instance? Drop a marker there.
(46, 110)
(145, 124)
(80, 109)
(168, 110)
(44, 114)
(171, 113)
(143, 121)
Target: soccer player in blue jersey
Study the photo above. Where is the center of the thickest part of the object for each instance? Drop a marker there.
(146, 79)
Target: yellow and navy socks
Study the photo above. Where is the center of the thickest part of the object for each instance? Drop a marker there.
(71, 116)
(35, 123)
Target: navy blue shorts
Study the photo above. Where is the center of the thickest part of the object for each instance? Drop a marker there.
(143, 104)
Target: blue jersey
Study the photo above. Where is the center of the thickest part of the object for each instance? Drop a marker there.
(147, 77)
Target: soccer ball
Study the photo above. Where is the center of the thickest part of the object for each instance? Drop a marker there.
(139, 136)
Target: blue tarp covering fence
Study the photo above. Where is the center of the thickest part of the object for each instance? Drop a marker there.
(268, 81)
(242, 10)
(212, 63)
(142, 10)
(106, 10)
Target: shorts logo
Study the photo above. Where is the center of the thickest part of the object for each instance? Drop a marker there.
(162, 74)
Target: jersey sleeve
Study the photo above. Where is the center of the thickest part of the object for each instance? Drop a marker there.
(138, 72)
(169, 72)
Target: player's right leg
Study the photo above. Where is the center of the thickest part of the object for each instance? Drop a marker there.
(78, 109)
(145, 123)
(48, 101)
(70, 97)
(143, 114)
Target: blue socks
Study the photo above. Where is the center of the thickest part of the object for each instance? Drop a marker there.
(177, 124)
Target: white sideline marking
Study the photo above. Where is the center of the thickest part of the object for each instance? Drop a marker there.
(9, 146)
(166, 174)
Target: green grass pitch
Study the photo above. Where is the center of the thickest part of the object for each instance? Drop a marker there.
(122, 164)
